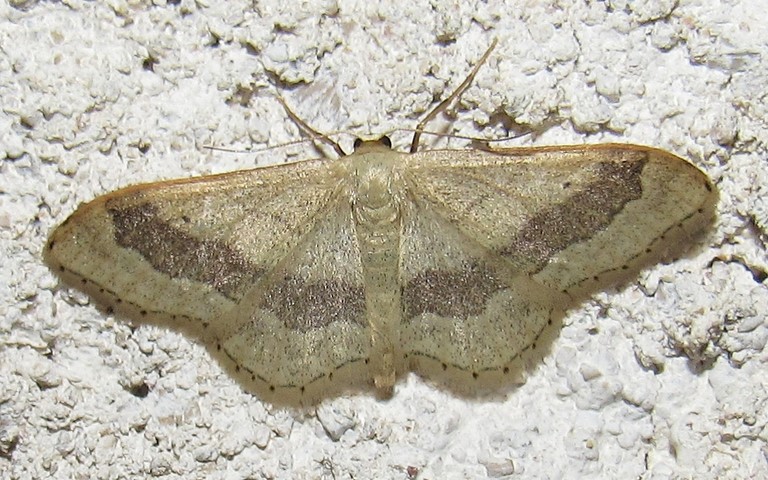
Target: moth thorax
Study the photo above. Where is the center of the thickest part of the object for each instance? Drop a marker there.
(376, 202)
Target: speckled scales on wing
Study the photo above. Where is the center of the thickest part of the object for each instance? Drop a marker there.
(546, 210)
(455, 288)
(212, 236)
(305, 321)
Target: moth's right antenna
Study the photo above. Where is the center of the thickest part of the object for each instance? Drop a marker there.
(444, 104)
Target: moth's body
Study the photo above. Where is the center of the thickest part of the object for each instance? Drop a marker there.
(376, 197)
(317, 277)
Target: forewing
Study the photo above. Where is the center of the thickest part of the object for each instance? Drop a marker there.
(496, 246)
(574, 217)
(183, 253)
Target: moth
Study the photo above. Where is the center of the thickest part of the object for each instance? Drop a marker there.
(318, 277)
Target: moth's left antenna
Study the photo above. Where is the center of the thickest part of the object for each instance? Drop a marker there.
(309, 130)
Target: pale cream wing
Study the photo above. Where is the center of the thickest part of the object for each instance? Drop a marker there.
(213, 256)
(467, 313)
(496, 246)
(301, 333)
(205, 240)
(574, 217)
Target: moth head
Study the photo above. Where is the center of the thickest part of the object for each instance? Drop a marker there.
(379, 144)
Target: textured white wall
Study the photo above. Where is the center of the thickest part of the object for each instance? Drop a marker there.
(665, 377)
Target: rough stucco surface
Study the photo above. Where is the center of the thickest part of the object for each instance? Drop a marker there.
(662, 378)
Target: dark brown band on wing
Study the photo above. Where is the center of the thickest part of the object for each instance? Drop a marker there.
(306, 306)
(587, 212)
(180, 255)
(451, 293)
